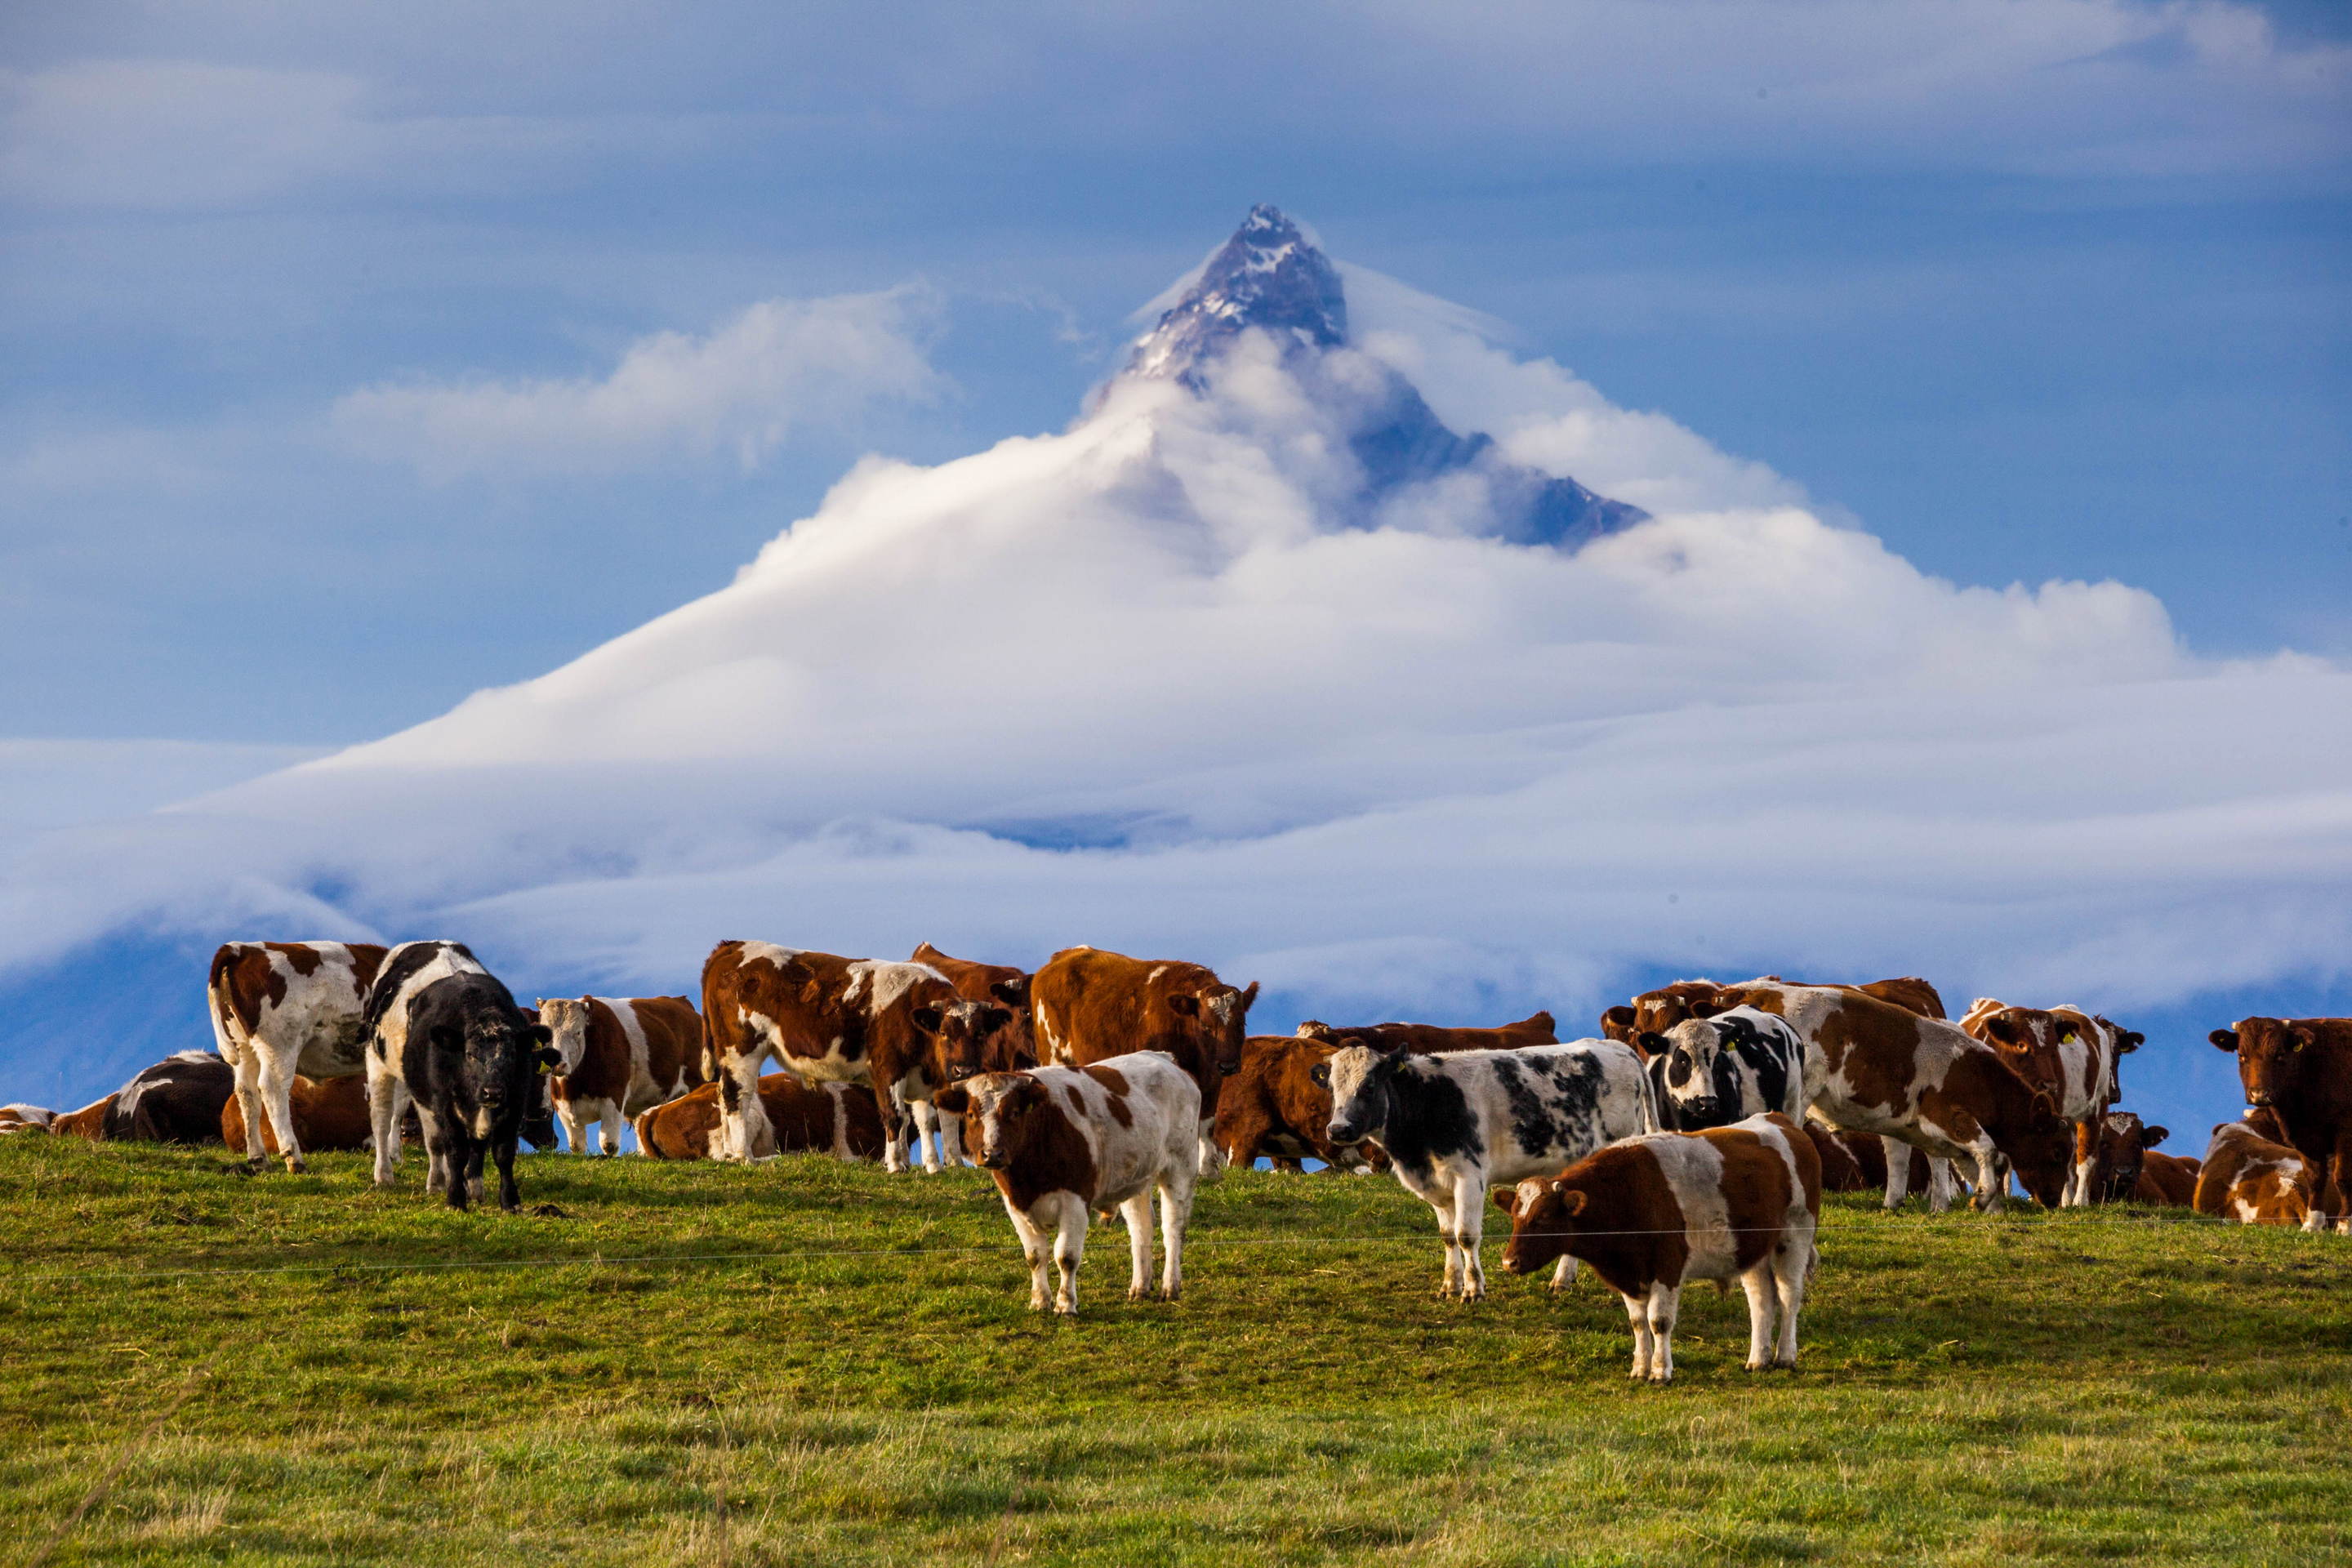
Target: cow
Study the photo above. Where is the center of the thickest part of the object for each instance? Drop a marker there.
(1436, 1039)
(283, 1009)
(1274, 1106)
(177, 1101)
(407, 969)
(1840, 1172)
(2300, 1069)
(1739, 1063)
(621, 1056)
(2111, 1154)
(1452, 1125)
(836, 1119)
(1739, 1201)
(1087, 1005)
(1006, 1047)
(2167, 1179)
(1655, 1012)
(471, 1060)
(328, 1115)
(1064, 1144)
(2070, 1053)
(21, 1117)
(825, 1019)
(89, 1121)
(2255, 1180)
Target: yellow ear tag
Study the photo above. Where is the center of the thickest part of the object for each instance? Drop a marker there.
(545, 1068)
(2067, 1039)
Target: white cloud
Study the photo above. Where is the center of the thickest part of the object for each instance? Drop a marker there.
(736, 393)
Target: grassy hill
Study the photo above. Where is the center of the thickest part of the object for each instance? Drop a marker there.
(809, 1363)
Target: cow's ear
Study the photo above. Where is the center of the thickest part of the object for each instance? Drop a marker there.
(1183, 1005)
(1012, 993)
(1249, 996)
(1619, 1018)
(445, 1039)
(1572, 1199)
(2303, 1037)
(2225, 1039)
(1507, 1200)
(928, 1019)
(547, 1059)
(2150, 1137)
(542, 1034)
(954, 1101)
(1652, 1042)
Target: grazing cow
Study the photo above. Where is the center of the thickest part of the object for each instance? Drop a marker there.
(283, 1009)
(1064, 1144)
(2070, 1053)
(2300, 1069)
(825, 1019)
(977, 1044)
(622, 1054)
(471, 1060)
(1452, 1125)
(25, 1118)
(1435, 1039)
(1739, 1063)
(836, 1119)
(2253, 1180)
(2167, 1179)
(1087, 1005)
(1840, 1172)
(328, 1115)
(1274, 1107)
(1739, 1201)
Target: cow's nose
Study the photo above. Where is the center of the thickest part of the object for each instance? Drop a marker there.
(1229, 1069)
(992, 1161)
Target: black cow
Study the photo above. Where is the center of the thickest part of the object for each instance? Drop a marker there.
(177, 1101)
(472, 1061)
(1712, 1072)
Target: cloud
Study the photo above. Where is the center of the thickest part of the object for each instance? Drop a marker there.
(738, 393)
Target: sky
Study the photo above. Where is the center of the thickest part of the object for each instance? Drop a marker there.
(1986, 363)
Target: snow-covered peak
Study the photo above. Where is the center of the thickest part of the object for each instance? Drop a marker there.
(1268, 275)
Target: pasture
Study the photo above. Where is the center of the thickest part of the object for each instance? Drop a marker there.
(810, 1362)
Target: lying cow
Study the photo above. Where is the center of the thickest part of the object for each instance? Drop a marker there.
(621, 1056)
(2070, 1053)
(1274, 1106)
(1064, 1144)
(26, 1119)
(1454, 1125)
(2111, 1154)
(2300, 1069)
(328, 1115)
(471, 1060)
(280, 1009)
(1840, 1172)
(2251, 1179)
(1739, 1201)
(1435, 1039)
(836, 1119)
(1089, 1005)
(2169, 1180)
(177, 1101)
(1739, 1063)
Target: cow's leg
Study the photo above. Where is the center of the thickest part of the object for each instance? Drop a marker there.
(1665, 1304)
(278, 1096)
(1564, 1276)
(2335, 1185)
(1469, 1232)
(1992, 1178)
(1899, 1172)
(1175, 1219)
(1211, 1165)
(952, 1152)
(1792, 1264)
(926, 1135)
(1453, 1247)
(1637, 1312)
(744, 1132)
(1136, 1212)
(246, 1064)
(509, 1195)
(383, 1122)
(1033, 1249)
(436, 1149)
(893, 1134)
(1069, 1251)
(469, 1170)
(608, 1128)
(574, 1115)
(1757, 1284)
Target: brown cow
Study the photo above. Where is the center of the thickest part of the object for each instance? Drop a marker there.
(2167, 1179)
(2301, 1069)
(280, 1008)
(1087, 1005)
(826, 1020)
(328, 1115)
(621, 1056)
(2249, 1178)
(1274, 1106)
(976, 1039)
(2072, 1054)
(2111, 1153)
(89, 1122)
(1434, 1039)
(1738, 1202)
(836, 1119)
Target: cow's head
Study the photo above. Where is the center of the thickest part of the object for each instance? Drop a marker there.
(566, 1018)
(1222, 1016)
(1617, 1024)
(2114, 1148)
(2273, 1054)
(1359, 1077)
(960, 1035)
(499, 1057)
(2040, 1148)
(996, 1108)
(2027, 1040)
(1655, 1012)
(1544, 1215)
(1695, 1073)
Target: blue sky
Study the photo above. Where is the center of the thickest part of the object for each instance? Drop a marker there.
(2028, 291)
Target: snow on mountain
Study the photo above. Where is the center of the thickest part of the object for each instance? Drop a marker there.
(1265, 662)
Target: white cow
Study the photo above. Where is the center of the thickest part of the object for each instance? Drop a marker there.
(280, 1008)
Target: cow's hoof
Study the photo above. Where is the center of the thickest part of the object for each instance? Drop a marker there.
(297, 1168)
(1069, 1312)
(1662, 1378)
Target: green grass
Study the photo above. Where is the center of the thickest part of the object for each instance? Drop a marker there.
(2121, 1384)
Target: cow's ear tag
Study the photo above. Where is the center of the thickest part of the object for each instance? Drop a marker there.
(2067, 1039)
(544, 1069)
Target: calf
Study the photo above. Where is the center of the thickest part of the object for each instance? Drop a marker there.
(1740, 1202)
(2070, 1053)
(1739, 1063)
(1435, 1039)
(621, 1056)
(825, 1019)
(1452, 1125)
(1007, 1047)
(2110, 1152)
(1274, 1107)
(330, 1115)
(2300, 1069)
(177, 1101)
(836, 1119)
(1087, 1005)
(2249, 1178)
(471, 1060)
(284, 1008)
(1066, 1144)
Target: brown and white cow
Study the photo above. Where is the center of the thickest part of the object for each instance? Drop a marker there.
(621, 1056)
(2251, 1179)
(2301, 1071)
(1435, 1039)
(1657, 1012)
(1066, 1144)
(332, 1115)
(975, 1041)
(825, 1019)
(89, 1121)
(283, 1009)
(2112, 1152)
(836, 1119)
(1740, 1202)
(21, 1117)
(1089, 1005)
(1274, 1106)
(2072, 1053)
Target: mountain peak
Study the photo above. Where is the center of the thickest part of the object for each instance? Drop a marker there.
(1268, 275)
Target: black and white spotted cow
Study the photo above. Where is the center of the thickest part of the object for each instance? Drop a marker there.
(405, 971)
(1714, 1071)
(473, 1061)
(1454, 1125)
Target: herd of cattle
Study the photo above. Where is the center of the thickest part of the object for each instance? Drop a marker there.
(1691, 1141)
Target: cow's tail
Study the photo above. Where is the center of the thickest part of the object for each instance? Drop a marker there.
(216, 1000)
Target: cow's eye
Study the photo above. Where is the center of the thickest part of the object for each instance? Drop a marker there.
(1321, 1075)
